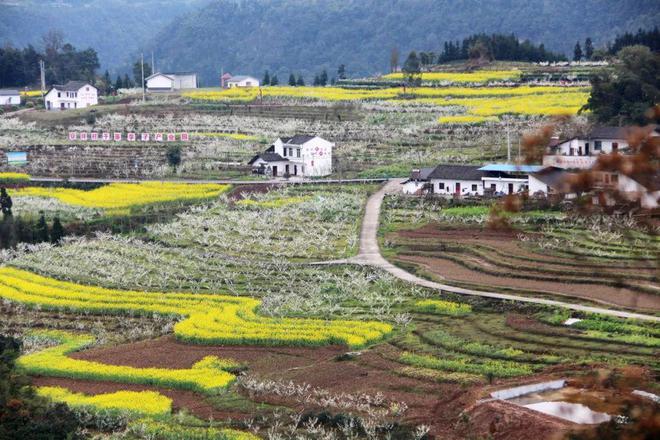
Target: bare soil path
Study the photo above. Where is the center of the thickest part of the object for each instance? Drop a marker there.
(370, 255)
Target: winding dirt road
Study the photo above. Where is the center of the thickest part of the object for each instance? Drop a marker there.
(370, 255)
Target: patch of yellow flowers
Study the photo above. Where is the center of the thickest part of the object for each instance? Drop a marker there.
(143, 403)
(480, 76)
(210, 319)
(31, 93)
(466, 119)
(443, 307)
(14, 177)
(118, 198)
(207, 376)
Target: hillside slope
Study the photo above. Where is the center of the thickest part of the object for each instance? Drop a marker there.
(115, 28)
(308, 35)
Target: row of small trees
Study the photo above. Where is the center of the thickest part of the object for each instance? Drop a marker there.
(14, 230)
(321, 79)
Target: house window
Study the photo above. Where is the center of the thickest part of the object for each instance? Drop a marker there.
(571, 152)
(87, 89)
(441, 186)
(615, 147)
(291, 152)
(312, 163)
(59, 95)
(474, 188)
(615, 178)
(284, 152)
(298, 152)
(598, 145)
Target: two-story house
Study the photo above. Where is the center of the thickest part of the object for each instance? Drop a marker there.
(300, 155)
(74, 94)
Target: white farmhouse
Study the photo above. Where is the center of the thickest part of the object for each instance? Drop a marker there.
(74, 94)
(469, 180)
(10, 97)
(241, 81)
(167, 82)
(581, 152)
(447, 180)
(300, 155)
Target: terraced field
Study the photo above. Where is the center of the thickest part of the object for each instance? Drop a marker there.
(543, 256)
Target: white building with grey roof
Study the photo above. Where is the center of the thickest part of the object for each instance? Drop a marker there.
(299, 155)
(167, 82)
(74, 94)
(10, 97)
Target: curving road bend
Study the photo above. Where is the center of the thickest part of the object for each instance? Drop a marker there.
(370, 255)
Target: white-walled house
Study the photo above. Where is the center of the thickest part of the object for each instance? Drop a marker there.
(581, 152)
(74, 94)
(167, 82)
(10, 97)
(300, 155)
(241, 81)
(447, 180)
(469, 180)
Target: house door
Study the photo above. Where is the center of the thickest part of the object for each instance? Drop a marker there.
(62, 105)
(275, 171)
(510, 188)
(286, 169)
(295, 170)
(586, 149)
(458, 188)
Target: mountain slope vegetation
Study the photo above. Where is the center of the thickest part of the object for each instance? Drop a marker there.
(114, 28)
(306, 36)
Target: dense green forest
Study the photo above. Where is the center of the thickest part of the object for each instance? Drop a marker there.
(307, 36)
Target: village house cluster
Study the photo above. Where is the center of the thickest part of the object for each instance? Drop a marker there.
(563, 158)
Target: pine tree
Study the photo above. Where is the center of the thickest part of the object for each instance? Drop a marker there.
(300, 81)
(118, 83)
(57, 232)
(577, 52)
(127, 82)
(341, 72)
(266, 80)
(323, 79)
(41, 233)
(292, 80)
(274, 81)
(108, 82)
(588, 49)
(317, 81)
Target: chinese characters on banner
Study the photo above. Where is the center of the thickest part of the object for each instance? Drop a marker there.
(130, 137)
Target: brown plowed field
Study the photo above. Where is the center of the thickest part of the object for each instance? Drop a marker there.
(435, 404)
(507, 242)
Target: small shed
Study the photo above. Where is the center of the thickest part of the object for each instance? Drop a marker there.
(10, 97)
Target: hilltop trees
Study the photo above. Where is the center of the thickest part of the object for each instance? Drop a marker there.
(20, 67)
(495, 46)
(625, 95)
(137, 72)
(577, 52)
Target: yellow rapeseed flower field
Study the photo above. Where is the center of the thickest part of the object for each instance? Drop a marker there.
(480, 76)
(118, 198)
(31, 93)
(143, 403)
(207, 376)
(210, 319)
(14, 177)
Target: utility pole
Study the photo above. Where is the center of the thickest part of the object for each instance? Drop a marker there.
(153, 63)
(508, 144)
(144, 97)
(42, 66)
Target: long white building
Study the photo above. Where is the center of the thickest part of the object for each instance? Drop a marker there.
(167, 82)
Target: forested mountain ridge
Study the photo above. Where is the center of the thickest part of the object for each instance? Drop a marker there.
(306, 36)
(114, 28)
